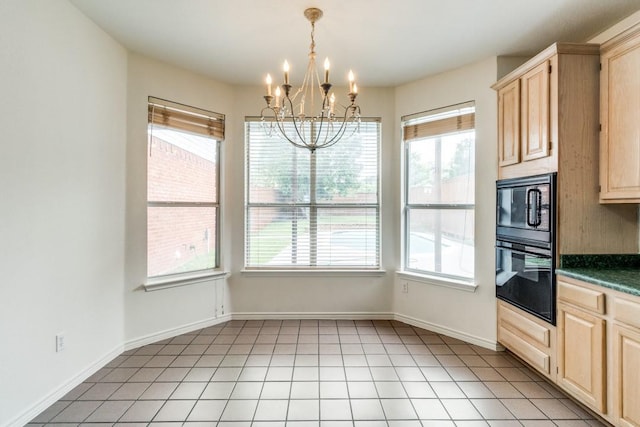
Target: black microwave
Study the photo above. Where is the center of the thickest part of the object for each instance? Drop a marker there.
(525, 210)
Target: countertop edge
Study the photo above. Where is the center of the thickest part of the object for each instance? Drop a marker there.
(590, 277)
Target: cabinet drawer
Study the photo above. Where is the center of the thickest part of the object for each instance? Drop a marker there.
(626, 311)
(582, 297)
(528, 337)
(537, 358)
(513, 321)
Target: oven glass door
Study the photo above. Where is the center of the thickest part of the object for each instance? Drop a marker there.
(525, 279)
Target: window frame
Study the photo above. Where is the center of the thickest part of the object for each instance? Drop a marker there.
(435, 277)
(199, 127)
(313, 207)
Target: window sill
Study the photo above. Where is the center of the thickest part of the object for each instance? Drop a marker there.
(313, 272)
(182, 280)
(438, 281)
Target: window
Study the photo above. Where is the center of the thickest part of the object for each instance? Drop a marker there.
(439, 185)
(317, 210)
(182, 189)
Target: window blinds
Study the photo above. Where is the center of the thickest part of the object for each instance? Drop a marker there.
(444, 121)
(189, 119)
(312, 211)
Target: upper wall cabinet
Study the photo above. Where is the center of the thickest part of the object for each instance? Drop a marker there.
(509, 124)
(548, 121)
(523, 117)
(619, 118)
(535, 112)
(536, 108)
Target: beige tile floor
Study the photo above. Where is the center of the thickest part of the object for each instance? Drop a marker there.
(314, 373)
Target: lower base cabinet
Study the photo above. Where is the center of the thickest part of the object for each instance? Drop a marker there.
(581, 356)
(593, 353)
(598, 349)
(531, 339)
(626, 368)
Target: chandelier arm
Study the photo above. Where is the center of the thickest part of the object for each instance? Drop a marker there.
(269, 130)
(337, 136)
(329, 142)
(340, 134)
(280, 123)
(343, 125)
(329, 126)
(324, 117)
(283, 133)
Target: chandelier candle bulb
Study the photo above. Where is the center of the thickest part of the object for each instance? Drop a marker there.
(278, 96)
(326, 70)
(285, 67)
(351, 79)
(268, 84)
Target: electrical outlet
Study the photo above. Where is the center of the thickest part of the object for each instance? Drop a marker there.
(405, 287)
(59, 342)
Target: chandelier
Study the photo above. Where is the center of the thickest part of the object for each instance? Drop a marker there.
(292, 115)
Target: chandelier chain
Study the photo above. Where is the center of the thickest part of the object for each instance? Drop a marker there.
(313, 40)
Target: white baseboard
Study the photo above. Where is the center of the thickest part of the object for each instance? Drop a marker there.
(322, 315)
(173, 332)
(65, 388)
(472, 339)
(463, 336)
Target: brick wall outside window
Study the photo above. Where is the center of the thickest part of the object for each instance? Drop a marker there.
(180, 238)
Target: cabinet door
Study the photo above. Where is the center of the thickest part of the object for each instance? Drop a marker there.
(535, 112)
(619, 111)
(626, 368)
(581, 355)
(509, 124)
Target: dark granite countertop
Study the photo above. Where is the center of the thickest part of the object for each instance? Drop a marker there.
(618, 272)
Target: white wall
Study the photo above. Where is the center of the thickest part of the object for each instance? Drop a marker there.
(62, 175)
(149, 315)
(313, 294)
(461, 313)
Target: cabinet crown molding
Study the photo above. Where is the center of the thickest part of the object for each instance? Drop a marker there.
(620, 38)
(554, 49)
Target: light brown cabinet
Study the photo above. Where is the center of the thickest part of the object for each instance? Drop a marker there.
(535, 112)
(530, 338)
(536, 108)
(626, 362)
(626, 368)
(523, 117)
(598, 349)
(581, 355)
(619, 111)
(509, 124)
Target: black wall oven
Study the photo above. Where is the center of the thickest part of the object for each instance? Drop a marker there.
(525, 244)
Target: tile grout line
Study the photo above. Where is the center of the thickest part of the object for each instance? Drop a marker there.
(493, 360)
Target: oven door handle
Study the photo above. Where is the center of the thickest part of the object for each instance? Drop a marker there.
(534, 207)
(543, 253)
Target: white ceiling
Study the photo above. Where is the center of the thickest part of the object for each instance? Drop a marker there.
(385, 42)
